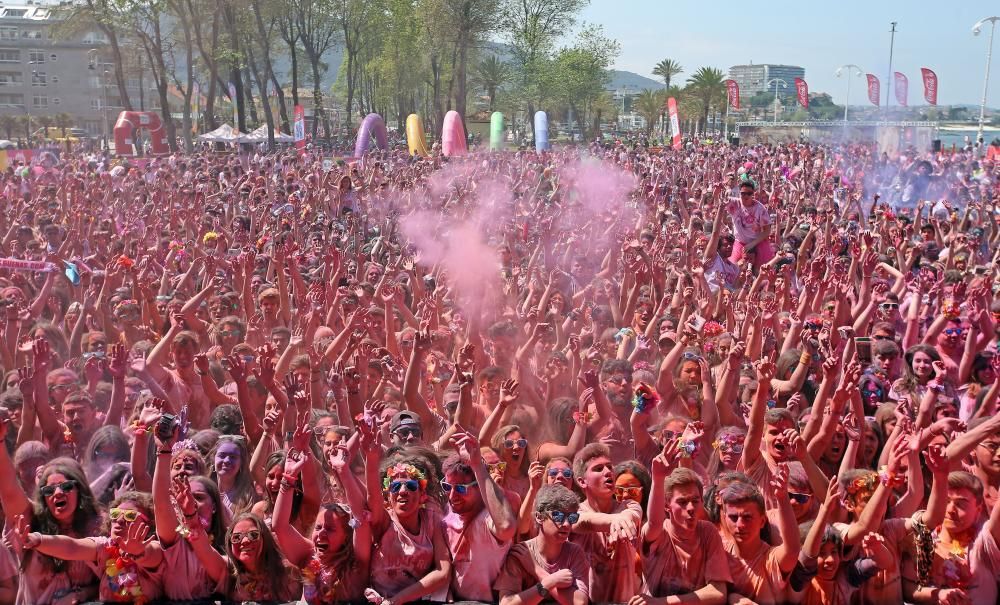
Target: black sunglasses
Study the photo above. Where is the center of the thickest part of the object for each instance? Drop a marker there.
(65, 487)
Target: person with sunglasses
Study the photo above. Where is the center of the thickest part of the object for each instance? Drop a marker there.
(411, 560)
(481, 522)
(257, 569)
(126, 561)
(751, 225)
(549, 567)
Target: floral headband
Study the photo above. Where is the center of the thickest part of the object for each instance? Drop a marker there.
(210, 237)
(126, 304)
(406, 470)
(865, 484)
(645, 397)
(728, 440)
(184, 444)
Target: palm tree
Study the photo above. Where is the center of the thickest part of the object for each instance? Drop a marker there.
(707, 86)
(8, 124)
(649, 104)
(63, 121)
(491, 74)
(45, 122)
(667, 69)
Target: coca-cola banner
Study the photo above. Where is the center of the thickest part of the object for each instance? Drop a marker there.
(930, 85)
(802, 91)
(874, 90)
(902, 86)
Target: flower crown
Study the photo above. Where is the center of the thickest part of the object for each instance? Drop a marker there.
(209, 237)
(712, 328)
(865, 484)
(729, 439)
(184, 444)
(406, 470)
(645, 397)
(122, 304)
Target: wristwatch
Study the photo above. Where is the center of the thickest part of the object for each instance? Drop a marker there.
(542, 591)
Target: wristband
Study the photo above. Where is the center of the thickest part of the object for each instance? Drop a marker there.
(889, 478)
(138, 427)
(285, 486)
(290, 477)
(164, 452)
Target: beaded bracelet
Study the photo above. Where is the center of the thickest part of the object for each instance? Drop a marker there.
(138, 427)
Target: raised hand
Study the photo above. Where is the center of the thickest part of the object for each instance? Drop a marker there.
(117, 365)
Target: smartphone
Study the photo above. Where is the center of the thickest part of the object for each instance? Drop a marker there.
(863, 345)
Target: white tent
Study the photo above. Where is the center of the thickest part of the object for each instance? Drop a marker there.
(260, 136)
(222, 134)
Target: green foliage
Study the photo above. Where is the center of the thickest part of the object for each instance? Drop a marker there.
(667, 69)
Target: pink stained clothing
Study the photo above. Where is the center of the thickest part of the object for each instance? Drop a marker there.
(476, 556)
(975, 571)
(40, 584)
(759, 577)
(525, 567)
(349, 585)
(401, 558)
(186, 576)
(887, 585)
(614, 577)
(671, 566)
(748, 222)
(764, 251)
(150, 580)
(247, 587)
(838, 592)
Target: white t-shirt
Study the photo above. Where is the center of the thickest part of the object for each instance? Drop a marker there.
(721, 273)
(748, 222)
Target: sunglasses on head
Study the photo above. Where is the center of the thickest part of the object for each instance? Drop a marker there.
(411, 485)
(555, 472)
(559, 517)
(799, 498)
(65, 487)
(510, 443)
(689, 356)
(252, 536)
(460, 488)
(125, 513)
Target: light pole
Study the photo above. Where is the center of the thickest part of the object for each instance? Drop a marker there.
(989, 55)
(776, 82)
(92, 65)
(888, 79)
(849, 67)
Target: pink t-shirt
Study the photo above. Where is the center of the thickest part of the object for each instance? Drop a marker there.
(758, 577)
(748, 222)
(401, 558)
(188, 579)
(671, 566)
(41, 585)
(476, 556)
(525, 567)
(614, 574)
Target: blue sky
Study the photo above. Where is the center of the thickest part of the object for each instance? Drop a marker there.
(818, 36)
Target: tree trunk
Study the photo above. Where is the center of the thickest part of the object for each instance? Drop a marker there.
(261, 84)
(248, 101)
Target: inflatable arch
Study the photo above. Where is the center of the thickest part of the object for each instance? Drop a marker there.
(131, 121)
(453, 135)
(372, 125)
(415, 139)
(496, 131)
(541, 131)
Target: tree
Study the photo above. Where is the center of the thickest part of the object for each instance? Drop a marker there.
(707, 86)
(470, 21)
(578, 75)
(8, 124)
(45, 122)
(649, 104)
(532, 28)
(667, 69)
(492, 73)
(317, 26)
(63, 121)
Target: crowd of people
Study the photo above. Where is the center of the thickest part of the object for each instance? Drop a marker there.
(609, 374)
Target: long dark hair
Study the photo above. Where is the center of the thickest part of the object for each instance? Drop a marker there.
(86, 517)
(278, 459)
(243, 487)
(217, 529)
(272, 563)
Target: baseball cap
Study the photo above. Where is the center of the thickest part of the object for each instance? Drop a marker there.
(403, 418)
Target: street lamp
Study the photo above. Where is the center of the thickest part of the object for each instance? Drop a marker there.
(92, 65)
(989, 55)
(776, 82)
(847, 101)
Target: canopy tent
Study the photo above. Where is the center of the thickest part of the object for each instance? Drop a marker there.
(260, 136)
(222, 134)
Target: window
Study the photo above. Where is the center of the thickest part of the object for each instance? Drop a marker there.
(9, 33)
(33, 34)
(37, 101)
(8, 99)
(11, 78)
(10, 55)
(95, 103)
(36, 56)
(39, 78)
(15, 12)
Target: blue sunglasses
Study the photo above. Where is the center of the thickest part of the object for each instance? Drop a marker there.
(558, 517)
(411, 485)
(461, 488)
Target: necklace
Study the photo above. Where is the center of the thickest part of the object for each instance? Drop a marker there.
(123, 575)
(319, 582)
